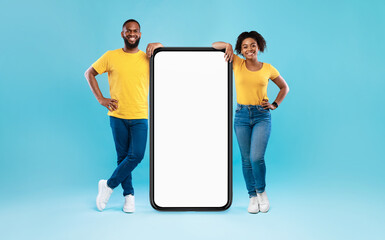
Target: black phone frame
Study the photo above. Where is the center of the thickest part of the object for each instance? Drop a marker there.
(229, 129)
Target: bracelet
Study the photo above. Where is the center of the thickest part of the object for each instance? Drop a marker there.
(275, 104)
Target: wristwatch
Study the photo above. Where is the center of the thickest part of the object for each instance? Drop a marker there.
(275, 104)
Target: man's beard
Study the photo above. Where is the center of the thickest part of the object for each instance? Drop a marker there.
(131, 45)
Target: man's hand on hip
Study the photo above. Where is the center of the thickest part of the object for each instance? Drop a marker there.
(110, 104)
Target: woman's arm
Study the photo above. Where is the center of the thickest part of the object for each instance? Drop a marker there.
(284, 89)
(229, 54)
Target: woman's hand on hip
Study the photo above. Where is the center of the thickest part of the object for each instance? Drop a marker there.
(266, 105)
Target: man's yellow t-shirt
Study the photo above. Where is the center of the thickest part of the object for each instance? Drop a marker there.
(251, 86)
(128, 77)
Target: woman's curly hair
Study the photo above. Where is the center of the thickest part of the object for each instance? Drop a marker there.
(254, 35)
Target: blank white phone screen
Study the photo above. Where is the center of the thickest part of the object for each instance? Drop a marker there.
(190, 129)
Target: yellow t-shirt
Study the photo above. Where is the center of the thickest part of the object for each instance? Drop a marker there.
(128, 77)
(251, 86)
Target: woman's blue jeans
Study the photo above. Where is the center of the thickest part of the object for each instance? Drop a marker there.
(130, 137)
(252, 126)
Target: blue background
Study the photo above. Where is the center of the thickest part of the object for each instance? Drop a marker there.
(325, 158)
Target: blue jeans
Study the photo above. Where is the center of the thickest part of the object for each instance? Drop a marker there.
(130, 136)
(252, 126)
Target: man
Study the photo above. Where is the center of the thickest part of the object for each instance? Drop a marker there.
(128, 77)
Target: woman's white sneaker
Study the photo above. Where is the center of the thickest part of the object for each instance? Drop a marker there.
(129, 204)
(104, 193)
(253, 205)
(263, 202)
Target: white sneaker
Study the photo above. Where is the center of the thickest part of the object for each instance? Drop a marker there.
(103, 195)
(129, 204)
(263, 201)
(253, 205)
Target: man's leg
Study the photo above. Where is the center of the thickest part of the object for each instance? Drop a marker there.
(122, 138)
(120, 132)
(138, 138)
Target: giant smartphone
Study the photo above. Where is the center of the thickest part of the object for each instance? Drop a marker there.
(190, 129)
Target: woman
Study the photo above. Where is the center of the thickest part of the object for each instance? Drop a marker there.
(252, 121)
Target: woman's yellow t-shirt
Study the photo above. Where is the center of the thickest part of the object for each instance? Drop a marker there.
(251, 86)
(128, 77)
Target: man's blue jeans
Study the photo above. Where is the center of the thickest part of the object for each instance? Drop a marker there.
(130, 136)
(252, 126)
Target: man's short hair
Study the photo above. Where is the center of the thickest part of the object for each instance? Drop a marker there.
(130, 20)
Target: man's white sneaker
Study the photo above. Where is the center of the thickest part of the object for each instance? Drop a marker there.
(129, 204)
(104, 193)
(253, 205)
(263, 201)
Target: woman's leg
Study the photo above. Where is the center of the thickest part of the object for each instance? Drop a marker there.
(243, 132)
(259, 139)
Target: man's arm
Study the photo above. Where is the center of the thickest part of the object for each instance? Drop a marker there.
(151, 47)
(110, 104)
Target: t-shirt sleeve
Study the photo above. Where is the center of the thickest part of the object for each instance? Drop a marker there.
(273, 72)
(101, 65)
(236, 62)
